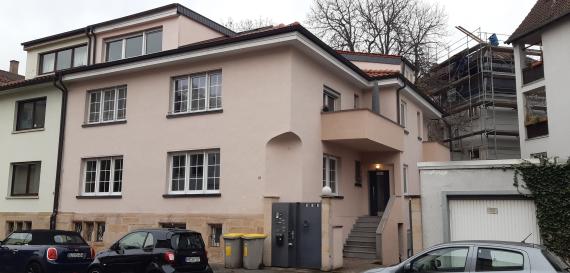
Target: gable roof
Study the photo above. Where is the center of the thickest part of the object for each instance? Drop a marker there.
(541, 15)
(8, 77)
(181, 10)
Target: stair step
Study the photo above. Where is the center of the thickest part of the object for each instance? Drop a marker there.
(365, 225)
(370, 249)
(350, 243)
(361, 239)
(365, 229)
(372, 219)
(362, 255)
(354, 233)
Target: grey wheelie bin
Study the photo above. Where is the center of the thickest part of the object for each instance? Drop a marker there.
(253, 250)
(233, 250)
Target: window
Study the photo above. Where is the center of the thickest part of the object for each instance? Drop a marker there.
(403, 111)
(195, 172)
(536, 116)
(215, 234)
(62, 59)
(18, 238)
(419, 124)
(107, 105)
(25, 178)
(31, 114)
(90, 231)
(330, 173)
(357, 173)
(12, 226)
(173, 225)
(134, 45)
(133, 240)
(197, 93)
(103, 176)
(356, 101)
(330, 100)
(405, 174)
(451, 259)
(149, 242)
(489, 259)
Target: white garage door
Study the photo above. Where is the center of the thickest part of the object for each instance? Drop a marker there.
(504, 220)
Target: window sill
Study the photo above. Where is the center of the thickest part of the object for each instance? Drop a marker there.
(87, 125)
(28, 131)
(536, 138)
(179, 115)
(99, 197)
(22, 197)
(195, 195)
(339, 197)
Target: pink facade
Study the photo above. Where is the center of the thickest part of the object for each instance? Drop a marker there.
(268, 129)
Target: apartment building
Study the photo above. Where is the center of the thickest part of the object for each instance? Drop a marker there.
(29, 143)
(172, 120)
(541, 57)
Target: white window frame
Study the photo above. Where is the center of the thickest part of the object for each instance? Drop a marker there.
(102, 105)
(97, 178)
(207, 107)
(123, 40)
(405, 179)
(328, 159)
(403, 113)
(205, 173)
(331, 94)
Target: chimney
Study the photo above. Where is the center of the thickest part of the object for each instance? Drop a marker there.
(14, 66)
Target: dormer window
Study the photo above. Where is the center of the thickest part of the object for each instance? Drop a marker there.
(62, 59)
(134, 45)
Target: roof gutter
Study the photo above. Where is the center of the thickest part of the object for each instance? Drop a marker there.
(58, 83)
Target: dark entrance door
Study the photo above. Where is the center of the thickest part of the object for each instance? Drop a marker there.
(379, 191)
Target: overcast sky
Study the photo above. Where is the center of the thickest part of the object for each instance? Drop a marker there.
(25, 20)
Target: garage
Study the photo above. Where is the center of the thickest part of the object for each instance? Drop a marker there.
(493, 219)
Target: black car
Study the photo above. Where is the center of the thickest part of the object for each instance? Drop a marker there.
(45, 251)
(154, 251)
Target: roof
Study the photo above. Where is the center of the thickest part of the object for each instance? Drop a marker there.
(24, 83)
(7, 77)
(541, 15)
(181, 10)
(381, 72)
(375, 58)
(496, 243)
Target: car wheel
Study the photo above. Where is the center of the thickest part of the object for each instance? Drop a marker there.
(95, 270)
(34, 268)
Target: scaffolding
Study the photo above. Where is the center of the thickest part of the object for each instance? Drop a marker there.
(473, 80)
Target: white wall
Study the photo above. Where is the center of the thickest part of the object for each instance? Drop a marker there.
(29, 146)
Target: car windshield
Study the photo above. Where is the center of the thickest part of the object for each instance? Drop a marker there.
(187, 241)
(18, 238)
(68, 239)
(556, 262)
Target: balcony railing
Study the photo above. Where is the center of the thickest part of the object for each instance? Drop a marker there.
(533, 73)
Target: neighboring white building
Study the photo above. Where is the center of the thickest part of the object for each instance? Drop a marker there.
(542, 57)
(29, 135)
(473, 200)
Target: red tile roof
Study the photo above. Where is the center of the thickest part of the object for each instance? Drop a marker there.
(368, 54)
(8, 77)
(542, 14)
(22, 83)
(381, 72)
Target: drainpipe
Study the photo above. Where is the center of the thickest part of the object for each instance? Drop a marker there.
(448, 126)
(58, 83)
(376, 98)
(398, 101)
(92, 31)
(89, 43)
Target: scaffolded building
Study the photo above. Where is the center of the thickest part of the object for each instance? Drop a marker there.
(475, 83)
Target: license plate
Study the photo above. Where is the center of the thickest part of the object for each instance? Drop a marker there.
(192, 259)
(75, 255)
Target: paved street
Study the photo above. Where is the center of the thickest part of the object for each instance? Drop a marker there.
(351, 265)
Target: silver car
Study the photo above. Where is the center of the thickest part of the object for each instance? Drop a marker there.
(480, 256)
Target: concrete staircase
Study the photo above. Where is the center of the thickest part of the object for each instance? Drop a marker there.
(361, 242)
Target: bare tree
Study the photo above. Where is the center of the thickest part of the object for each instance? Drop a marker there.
(403, 27)
(246, 24)
(336, 21)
